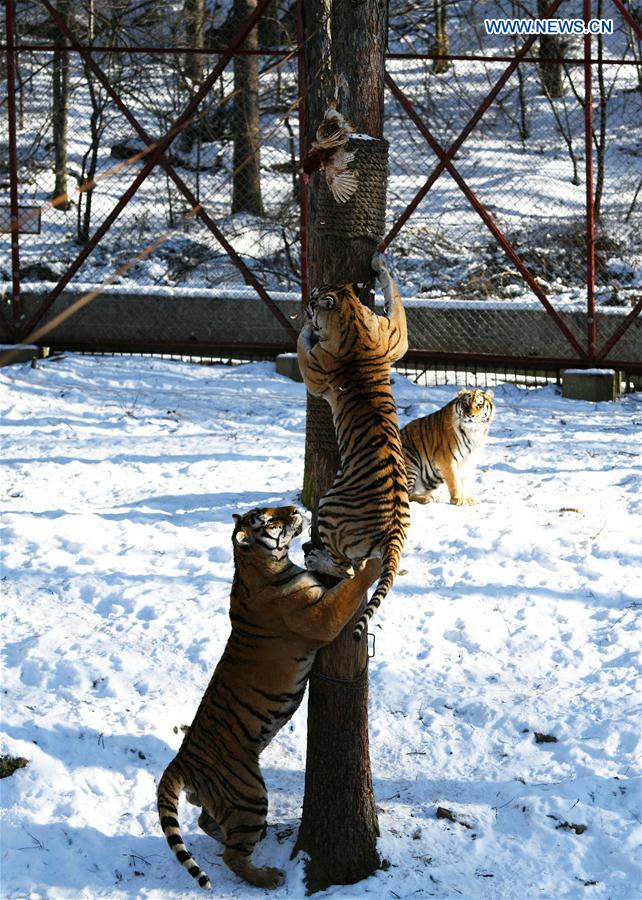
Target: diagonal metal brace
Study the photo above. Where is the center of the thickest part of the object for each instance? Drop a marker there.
(472, 122)
(169, 169)
(485, 216)
(154, 156)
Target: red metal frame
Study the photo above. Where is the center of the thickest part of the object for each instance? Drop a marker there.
(590, 210)
(16, 304)
(486, 217)
(588, 356)
(470, 125)
(303, 189)
(156, 156)
(195, 205)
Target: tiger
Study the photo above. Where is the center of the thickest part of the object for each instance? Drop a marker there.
(280, 616)
(445, 446)
(344, 351)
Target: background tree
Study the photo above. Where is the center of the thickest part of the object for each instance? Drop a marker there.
(551, 47)
(60, 109)
(339, 822)
(441, 46)
(194, 19)
(246, 185)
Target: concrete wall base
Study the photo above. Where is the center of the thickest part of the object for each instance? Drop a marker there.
(20, 353)
(590, 384)
(288, 365)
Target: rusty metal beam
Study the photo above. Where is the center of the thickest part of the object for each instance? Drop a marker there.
(303, 187)
(590, 208)
(628, 18)
(485, 216)
(169, 169)
(544, 362)
(274, 51)
(161, 51)
(476, 57)
(16, 305)
(619, 331)
(153, 158)
(418, 357)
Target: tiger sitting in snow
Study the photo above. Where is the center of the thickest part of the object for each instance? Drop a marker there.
(445, 447)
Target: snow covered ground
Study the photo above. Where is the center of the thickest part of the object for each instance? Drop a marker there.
(513, 617)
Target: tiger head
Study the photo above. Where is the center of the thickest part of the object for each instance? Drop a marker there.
(338, 316)
(264, 535)
(474, 406)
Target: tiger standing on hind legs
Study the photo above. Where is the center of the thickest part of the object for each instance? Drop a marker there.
(281, 615)
(345, 351)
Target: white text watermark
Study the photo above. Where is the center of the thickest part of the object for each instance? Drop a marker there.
(530, 27)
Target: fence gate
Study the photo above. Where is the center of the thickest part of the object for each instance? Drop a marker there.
(154, 201)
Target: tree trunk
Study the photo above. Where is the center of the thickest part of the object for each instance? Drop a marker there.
(246, 180)
(442, 46)
(194, 19)
(339, 825)
(60, 112)
(550, 47)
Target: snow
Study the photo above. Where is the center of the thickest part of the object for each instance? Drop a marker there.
(511, 617)
(588, 372)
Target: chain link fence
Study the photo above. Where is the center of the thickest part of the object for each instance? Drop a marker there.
(87, 122)
(238, 153)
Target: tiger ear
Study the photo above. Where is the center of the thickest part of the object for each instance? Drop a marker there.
(242, 538)
(488, 395)
(236, 517)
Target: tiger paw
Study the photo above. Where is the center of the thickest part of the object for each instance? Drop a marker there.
(266, 877)
(422, 498)
(378, 263)
(320, 561)
(463, 501)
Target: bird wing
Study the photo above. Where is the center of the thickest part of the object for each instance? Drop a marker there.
(334, 130)
(342, 182)
(328, 138)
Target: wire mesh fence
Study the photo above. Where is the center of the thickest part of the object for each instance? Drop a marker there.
(501, 232)
(238, 160)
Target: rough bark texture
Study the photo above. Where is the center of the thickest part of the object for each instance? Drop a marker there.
(339, 822)
(550, 47)
(442, 45)
(60, 111)
(194, 23)
(246, 184)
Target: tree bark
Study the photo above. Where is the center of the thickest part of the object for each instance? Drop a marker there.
(246, 180)
(339, 825)
(60, 112)
(194, 18)
(550, 47)
(442, 45)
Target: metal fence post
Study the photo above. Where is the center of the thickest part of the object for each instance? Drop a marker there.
(590, 209)
(303, 190)
(16, 303)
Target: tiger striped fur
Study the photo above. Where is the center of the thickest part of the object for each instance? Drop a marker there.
(444, 446)
(345, 351)
(280, 616)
